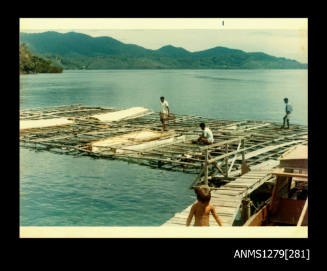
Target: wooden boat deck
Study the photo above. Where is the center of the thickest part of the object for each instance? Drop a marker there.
(227, 199)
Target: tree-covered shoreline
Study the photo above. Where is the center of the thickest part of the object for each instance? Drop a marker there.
(31, 64)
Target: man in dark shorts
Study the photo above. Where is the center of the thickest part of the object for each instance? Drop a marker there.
(164, 112)
(288, 110)
(206, 137)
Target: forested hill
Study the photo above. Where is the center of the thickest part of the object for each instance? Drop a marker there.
(79, 51)
(29, 63)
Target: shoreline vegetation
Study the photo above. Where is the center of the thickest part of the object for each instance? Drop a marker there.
(32, 64)
(76, 51)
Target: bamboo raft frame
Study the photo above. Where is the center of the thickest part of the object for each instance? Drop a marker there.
(238, 147)
(235, 141)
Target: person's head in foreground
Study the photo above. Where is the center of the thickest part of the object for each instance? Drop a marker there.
(286, 100)
(203, 194)
(162, 99)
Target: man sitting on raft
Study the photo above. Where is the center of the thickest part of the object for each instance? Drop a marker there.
(206, 136)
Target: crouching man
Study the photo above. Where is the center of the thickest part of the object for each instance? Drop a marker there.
(206, 136)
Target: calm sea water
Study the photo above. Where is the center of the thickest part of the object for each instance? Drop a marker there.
(59, 190)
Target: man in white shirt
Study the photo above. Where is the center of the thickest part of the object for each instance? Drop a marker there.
(207, 136)
(288, 110)
(164, 112)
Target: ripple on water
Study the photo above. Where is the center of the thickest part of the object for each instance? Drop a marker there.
(139, 197)
(64, 191)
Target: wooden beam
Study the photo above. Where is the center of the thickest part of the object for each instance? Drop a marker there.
(280, 172)
(220, 143)
(232, 163)
(304, 211)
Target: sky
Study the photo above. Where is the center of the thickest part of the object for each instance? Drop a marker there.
(281, 37)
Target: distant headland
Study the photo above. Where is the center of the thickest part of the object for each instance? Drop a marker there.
(29, 63)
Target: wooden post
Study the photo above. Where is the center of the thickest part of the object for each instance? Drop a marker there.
(244, 167)
(233, 161)
(226, 161)
(206, 168)
(243, 152)
(304, 211)
(245, 209)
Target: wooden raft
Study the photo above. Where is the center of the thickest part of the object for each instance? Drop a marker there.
(76, 128)
(227, 199)
(257, 143)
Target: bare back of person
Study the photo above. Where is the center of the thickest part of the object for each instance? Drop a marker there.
(202, 208)
(201, 214)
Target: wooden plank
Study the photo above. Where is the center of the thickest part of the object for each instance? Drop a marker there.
(229, 188)
(268, 149)
(255, 171)
(225, 204)
(234, 159)
(244, 181)
(221, 143)
(304, 210)
(256, 127)
(239, 185)
(227, 192)
(255, 174)
(299, 152)
(224, 209)
(279, 172)
(225, 197)
(300, 179)
(230, 201)
(258, 218)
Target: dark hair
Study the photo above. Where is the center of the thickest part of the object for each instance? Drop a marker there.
(202, 125)
(202, 194)
(286, 99)
(162, 97)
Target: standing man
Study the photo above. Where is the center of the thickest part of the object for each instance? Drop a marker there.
(164, 113)
(207, 136)
(288, 109)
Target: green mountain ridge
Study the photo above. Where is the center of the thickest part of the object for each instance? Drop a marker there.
(79, 51)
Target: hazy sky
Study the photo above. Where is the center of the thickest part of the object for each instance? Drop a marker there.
(278, 37)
